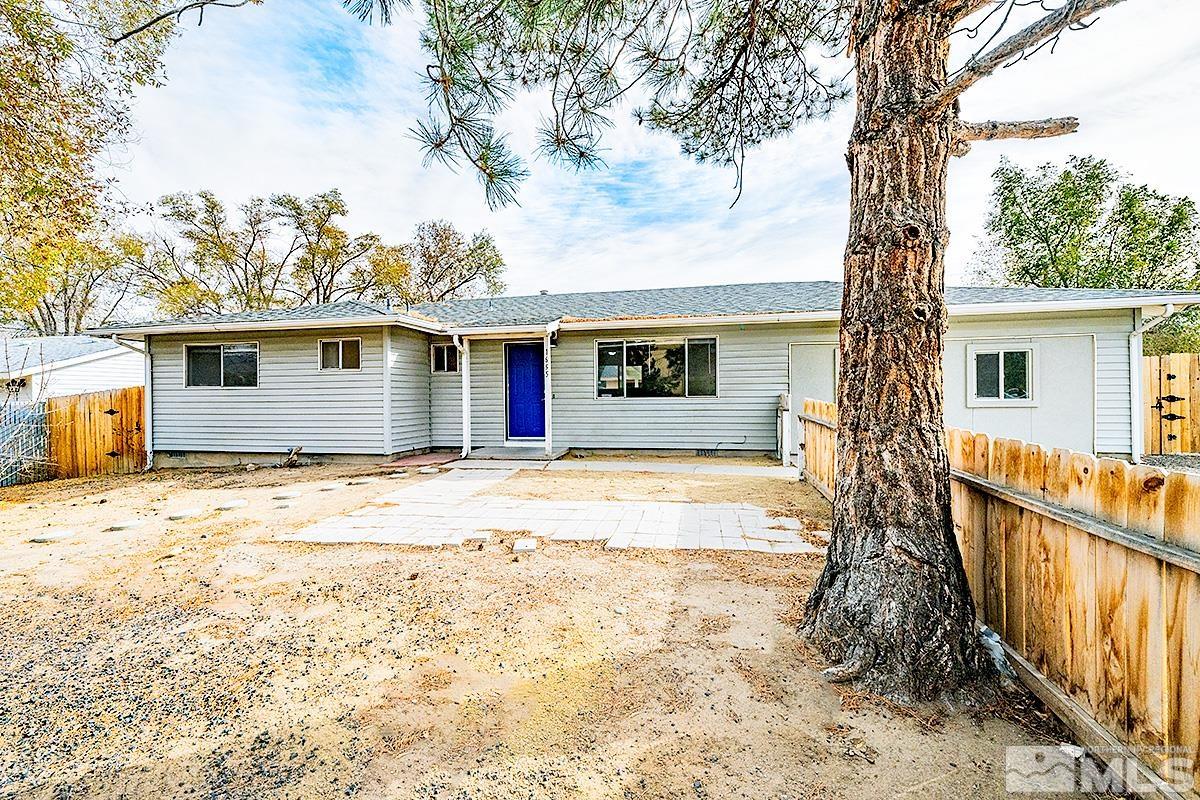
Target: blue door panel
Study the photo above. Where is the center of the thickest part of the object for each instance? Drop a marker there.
(526, 391)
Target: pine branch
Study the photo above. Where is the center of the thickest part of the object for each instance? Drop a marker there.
(1014, 48)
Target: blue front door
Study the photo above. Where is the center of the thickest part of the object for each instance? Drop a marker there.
(526, 390)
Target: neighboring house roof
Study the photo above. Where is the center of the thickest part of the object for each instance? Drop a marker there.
(32, 354)
(818, 298)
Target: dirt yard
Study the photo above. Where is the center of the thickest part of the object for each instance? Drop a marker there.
(203, 658)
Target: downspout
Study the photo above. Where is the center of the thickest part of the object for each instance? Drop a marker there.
(126, 344)
(1136, 409)
(464, 371)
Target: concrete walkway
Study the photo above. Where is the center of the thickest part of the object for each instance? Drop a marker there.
(447, 510)
(585, 465)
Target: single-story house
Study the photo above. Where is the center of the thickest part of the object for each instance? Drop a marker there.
(34, 368)
(700, 368)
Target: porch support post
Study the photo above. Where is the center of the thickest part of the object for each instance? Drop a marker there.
(549, 393)
(465, 375)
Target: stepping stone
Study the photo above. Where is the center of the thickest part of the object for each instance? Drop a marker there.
(284, 505)
(184, 513)
(428, 471)
(361, 481)
(229, 505)
(524, 545)
(826, 535)
(329, 487)
(476, 536)
(398, 474)
(287, 496)
(125, 525)
(52, 536)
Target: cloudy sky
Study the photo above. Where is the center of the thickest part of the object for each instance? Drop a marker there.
(299, 97)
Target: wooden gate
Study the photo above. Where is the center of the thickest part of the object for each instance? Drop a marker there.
(100, 433)
(1171, 400)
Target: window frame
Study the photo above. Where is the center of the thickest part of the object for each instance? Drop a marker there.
(433, 346)
(1000, 347)
(625, 341)
(339, 367)
(257, 364)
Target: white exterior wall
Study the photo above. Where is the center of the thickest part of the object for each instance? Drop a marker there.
(294, 403)
(342, 412)
(445, 402)
(409, 394)
(1082, 388)
(114, 370)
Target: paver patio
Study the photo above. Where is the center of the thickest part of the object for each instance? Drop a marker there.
(447, 510)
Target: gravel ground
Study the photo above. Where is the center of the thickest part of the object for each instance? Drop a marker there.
(203, 658)
(1181, 462)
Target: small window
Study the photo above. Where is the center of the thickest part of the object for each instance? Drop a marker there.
(1004, 375)
(341, 354)
(444, 358)
(226, 365)
(657, 368)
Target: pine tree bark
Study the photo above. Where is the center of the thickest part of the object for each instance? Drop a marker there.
(892, 609)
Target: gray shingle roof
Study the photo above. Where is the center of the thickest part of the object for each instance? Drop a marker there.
(31, 352)
(344, 309)
(741, 298)
(687, 301)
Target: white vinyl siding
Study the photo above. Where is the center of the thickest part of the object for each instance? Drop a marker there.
(751, 373)
(445, 406)
(294, 404)
(409, 390)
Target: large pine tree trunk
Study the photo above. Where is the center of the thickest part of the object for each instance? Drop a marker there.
(892, 609)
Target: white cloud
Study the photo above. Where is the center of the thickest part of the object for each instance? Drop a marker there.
(291, 97)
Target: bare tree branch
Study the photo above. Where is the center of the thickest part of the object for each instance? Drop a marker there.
(1015, 47)
(176, 12)
(1025, 129)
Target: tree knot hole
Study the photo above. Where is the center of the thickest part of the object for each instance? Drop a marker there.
(923, 311)
(912, 232)
(1153, 483)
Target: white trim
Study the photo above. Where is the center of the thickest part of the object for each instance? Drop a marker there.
(1001, 347)
(50, 366)
(387, 385)
(464, 363)
(222, 386)
(339, 340)
(625, 341)
(520, 441)
(148, 404)
(547, 394)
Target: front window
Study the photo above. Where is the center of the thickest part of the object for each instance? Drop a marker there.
(225, 365)
(1003, 375)
(444, 358)
(685, 367)
(340, 354)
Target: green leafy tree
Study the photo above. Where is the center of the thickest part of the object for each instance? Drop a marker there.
(207, 264)
(58, 285)
(442, 264)
(1082, 225)
(723, 77)
(331, 265)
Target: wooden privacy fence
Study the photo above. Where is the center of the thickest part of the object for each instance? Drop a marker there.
(1171, 403)
(100, 433)
(1090, 571)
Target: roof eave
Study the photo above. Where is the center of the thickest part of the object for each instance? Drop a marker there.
(141, 331)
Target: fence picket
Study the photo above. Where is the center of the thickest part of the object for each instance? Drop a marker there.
(1105, 603)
